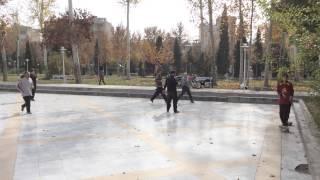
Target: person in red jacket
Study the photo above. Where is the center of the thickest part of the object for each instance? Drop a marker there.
(285, 92)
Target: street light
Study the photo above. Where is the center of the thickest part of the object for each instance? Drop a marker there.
(62, 50)
(27, 60)
(243, 84)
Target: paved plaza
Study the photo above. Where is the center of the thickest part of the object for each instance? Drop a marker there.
(90, 137)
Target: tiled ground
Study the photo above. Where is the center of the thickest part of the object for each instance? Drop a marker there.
(85, 137)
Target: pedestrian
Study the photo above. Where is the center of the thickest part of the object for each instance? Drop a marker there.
(33, 76)
(24, 86)
(171, 85)
(185, 84)
(159, 88)
(285, 92)
(101, 76)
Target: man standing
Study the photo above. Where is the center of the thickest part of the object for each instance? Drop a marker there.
(185, 83)
(101, 76)
(33, 76)
(171, 84)
(24, 86)
(285, 92)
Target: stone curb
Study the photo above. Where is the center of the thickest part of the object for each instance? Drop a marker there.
(137, 93)
(310, 137)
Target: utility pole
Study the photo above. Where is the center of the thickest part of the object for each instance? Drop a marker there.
(128, 39)
(75, 54)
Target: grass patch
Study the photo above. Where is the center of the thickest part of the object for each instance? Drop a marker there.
(313, 104)
(149, 81)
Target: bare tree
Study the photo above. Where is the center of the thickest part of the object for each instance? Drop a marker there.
(212, 50)
(3, 25)
(41, 10)
(127, 3)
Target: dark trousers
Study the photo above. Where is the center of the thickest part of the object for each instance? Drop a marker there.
(186, 89)
(159, 90)
(27, 104)
(101, 80)
(33, 93)
(172, 96)
(284, 113)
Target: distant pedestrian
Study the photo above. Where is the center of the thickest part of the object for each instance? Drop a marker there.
(101, 76)
(24, 86)
(285, 92)
(171, 85)
(33, 76)
(185, 84)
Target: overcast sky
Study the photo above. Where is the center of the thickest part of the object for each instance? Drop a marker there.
(164, 14)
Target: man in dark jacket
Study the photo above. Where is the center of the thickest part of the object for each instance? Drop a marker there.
(33, 76)
(171, 85)
(285, 92)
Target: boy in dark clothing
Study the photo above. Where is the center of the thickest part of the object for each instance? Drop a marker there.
(285, 92)
(33, 76)
(171, 85)
(159, 89)
(101, 76)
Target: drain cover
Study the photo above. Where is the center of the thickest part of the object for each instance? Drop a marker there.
(303, 168)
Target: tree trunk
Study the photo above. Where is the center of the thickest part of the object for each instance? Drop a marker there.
(75, 57)
(202, 48)
(267, 60)
(75, 52)
(212, 50)
(128, 39)
(4, 64)
(250, 45)
(241, 33)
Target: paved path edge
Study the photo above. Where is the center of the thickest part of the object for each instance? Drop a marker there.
(310, 134)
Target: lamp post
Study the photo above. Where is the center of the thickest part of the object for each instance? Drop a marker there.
(27, 62)
(62, 50)
(243, 84)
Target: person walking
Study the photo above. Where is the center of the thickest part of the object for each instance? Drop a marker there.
(33, 76)
(101, 76)
(24, 86)
(285, 91)
(185, 83)
(171, 85)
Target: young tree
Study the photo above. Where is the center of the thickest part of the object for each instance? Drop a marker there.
(212, 53)
(3, 26)
(28, 56)
(58, 32)
(119, 47)
(177, 56)
(96, 57)
(223, 52)
(41, 10)
(258, 55)
(127, 3)
(179, 33)
(190, 60)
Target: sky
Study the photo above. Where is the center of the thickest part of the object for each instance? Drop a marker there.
(165, 14)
